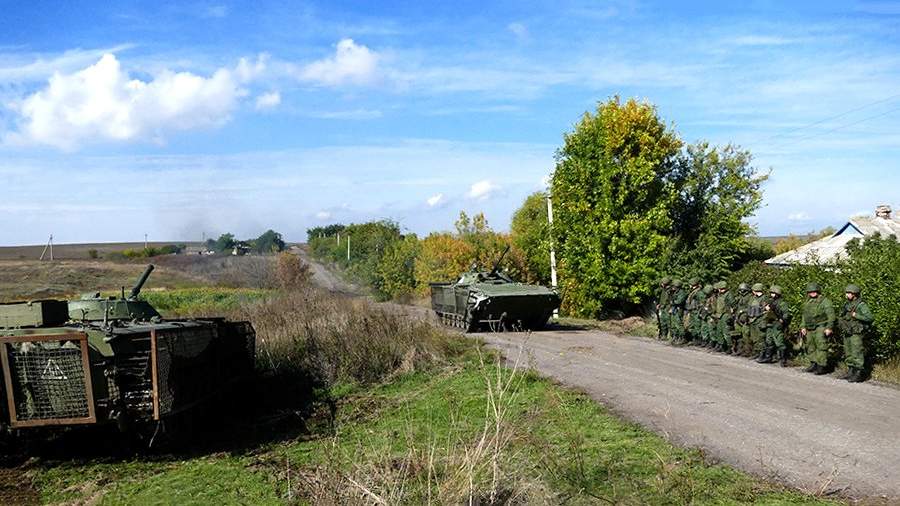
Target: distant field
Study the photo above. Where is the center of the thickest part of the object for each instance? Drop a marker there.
(77, 251)
(32, 279)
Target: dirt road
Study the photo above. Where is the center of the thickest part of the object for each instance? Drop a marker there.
(816, 433)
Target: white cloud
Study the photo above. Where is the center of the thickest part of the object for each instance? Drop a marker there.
(799, 216)
(519, 30)
(482, 190)
(353, 114)
(102, 103)
(268, 100)
(323, 215)
(761, 40)
(247, 70)
(436, 200)
(216, 11)
(352, 63)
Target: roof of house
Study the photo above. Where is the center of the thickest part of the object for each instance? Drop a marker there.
(832, 248)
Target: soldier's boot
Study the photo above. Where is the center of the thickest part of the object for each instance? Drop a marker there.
(812, 367)
(857, 376)
(822, 369)
(782, 358)
(767, 356)
(847, 375)
(734, 348)
(762, 355)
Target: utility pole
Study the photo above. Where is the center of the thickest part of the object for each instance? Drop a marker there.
(348, 248)
(552, 251)
(49, 246)
(145, 241)
(338, 238)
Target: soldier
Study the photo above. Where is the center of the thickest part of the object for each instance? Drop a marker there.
(755, 321)
(742, 329)
(706, 311)
(724, 316)
(817, 326)
(778, 319)
(676, 311)
(662, 307)
(855, 325)
(692, 307)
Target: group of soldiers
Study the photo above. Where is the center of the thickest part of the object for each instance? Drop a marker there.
(754, 321)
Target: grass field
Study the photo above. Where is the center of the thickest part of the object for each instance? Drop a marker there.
(441, 436)
(77, 251)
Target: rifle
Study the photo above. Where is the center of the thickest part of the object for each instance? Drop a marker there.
(497, 264)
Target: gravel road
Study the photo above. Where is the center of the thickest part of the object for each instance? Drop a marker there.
(816, 433)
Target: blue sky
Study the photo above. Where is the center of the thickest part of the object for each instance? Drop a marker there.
(181, 119)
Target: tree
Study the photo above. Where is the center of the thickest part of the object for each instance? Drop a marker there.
(530, 233)
(396, 270)
(442, 257)
(225, 242)
(717, 190)
(269, 242)
(612, 194)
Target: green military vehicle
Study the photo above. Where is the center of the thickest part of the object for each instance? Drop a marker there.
(101, 360)
(492, 300)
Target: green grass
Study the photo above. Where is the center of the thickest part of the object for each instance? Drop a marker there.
(558, 446)
(194, 301)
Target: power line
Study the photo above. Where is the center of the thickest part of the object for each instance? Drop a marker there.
(836, 116)
(837, 128)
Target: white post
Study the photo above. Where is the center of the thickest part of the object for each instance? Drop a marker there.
(348, 248)
(51, 247)
(338, 238)
(552, 250)
(145, 241)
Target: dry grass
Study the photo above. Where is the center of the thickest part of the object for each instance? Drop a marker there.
(459, 467)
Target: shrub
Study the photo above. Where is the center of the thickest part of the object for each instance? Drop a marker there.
(290, 271)
(93, 254)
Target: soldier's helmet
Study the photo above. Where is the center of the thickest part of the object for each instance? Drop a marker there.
(695, 281)
(707, 289)
(758, 287)
(676, 283)
(720, 285)
(813, 287)
(665, 280)
(854, 289)
(744, 287)
(775, 289)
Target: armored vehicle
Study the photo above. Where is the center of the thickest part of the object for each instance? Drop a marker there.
(491, 299)
(113, 359)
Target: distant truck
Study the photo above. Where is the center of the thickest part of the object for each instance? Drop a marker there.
(492, 300)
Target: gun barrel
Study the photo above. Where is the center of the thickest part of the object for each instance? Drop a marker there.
(497, 264)
(140, 284)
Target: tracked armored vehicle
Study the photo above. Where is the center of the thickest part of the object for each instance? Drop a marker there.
(492, 300)
(101, 360)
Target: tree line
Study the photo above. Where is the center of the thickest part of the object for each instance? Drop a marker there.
(632, 202)
(269, 241)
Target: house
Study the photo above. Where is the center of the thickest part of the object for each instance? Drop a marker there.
(834, 247)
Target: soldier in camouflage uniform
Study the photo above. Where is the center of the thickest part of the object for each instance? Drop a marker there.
(855, 325)
(755, 320)
(662, 307)
(817, 326)
(724, 316)
(692, 321)
(676, 311)
(778, 318)
(741, 327)
(706, 310)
